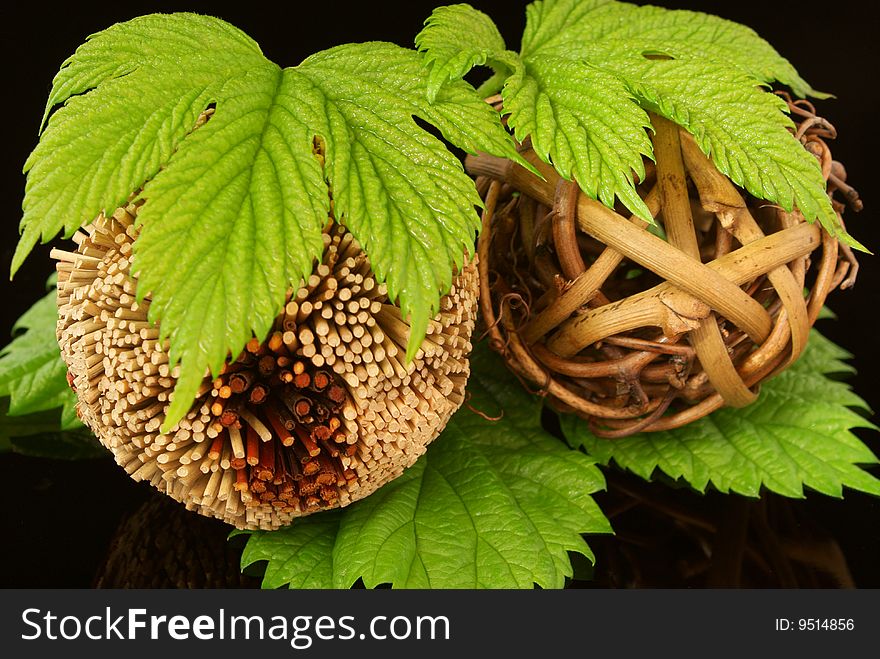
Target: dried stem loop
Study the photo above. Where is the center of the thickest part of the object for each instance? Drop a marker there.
(636, 333)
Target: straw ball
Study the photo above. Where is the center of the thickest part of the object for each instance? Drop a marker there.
(318, 414)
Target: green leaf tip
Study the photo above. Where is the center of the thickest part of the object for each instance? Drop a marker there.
(493, 504)
(233, 211)
(457, 38)
(32, 373)
(581, 84)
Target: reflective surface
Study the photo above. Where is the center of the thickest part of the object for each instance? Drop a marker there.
(86, 524)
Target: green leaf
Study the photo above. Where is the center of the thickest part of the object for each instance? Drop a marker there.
(130, 94)
(230, 223)
(556, 25)
(796, 435)
(589, 125)
(744, 129)
(457, 38)
(573, 27)
(493, 504)
(234, 209)
(32, 372)
(582, 120)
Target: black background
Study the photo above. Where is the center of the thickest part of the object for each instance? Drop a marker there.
(52, 509)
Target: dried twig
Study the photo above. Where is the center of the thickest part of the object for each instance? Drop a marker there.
(636, 333)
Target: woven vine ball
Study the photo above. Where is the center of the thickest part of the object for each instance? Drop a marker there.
(636, 333)
(321, 413)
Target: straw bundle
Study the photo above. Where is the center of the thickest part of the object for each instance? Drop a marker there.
(319, 414)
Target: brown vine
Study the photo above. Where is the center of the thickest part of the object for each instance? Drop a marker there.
(637, 333)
